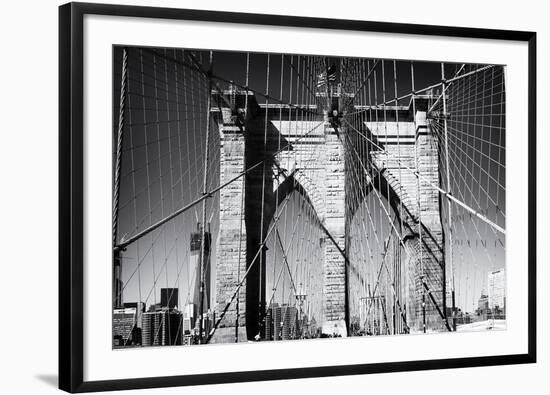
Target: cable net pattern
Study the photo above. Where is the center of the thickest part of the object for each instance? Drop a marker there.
(274, 197)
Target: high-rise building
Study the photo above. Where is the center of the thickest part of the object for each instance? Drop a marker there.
(151, 321)
(134, 305)
(303, 326)
(277, 323)
(169, 297)
(496, 286)
(483, 304)
(194, 269)
(290, 322)
(189, 315)
(312, 327)
(187, 340)
(281, 322)
(273, 322)
(162, 328)
(118, 289)
(155, 307)
(125, 328)
(269, 324)
(375, 321)
(140, 309)
(208, 322)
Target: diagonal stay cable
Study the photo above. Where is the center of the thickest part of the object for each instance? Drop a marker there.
(245, 275)
(388, 215)
(445, 193)
(124, 243)
(276, 283)
(438, 84)
(446, 87)
(384, 246)
(276, 219)
(285, 257)
(248, 89)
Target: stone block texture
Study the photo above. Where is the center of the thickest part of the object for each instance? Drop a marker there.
(416, 202)
(314, 161)
(231, 250)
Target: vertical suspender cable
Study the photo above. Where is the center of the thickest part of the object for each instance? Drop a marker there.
(202, 260)
(449, 219)
(237, 307)
(418, 181)
(117, 263)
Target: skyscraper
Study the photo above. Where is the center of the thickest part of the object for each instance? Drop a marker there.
(125, 327)
(189, 318)
(290, 322)
(194, 269)
(162, 328)
(169, 297)
(483, 304)
(269, 324)
(281, 322)
(274, 322)
(496, 286)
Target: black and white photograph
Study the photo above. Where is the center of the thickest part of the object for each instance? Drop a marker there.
(263, 197)
(277, 197)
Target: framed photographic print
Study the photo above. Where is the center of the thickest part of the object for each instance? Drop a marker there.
(238, 188)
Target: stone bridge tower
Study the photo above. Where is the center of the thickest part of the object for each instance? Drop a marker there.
(313, 164)
(409, 171)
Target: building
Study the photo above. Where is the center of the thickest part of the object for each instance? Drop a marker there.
(135, 305)
(208, 322)
(194, 269)
(162, 328)
(140, 309)
(118, 290)
(268, 330)
(496, 286)
(169, 297)
(483, 305)
(463, 318)
(189, 319)
(155, 307)
(281, 323)
(376, 318)
(125, 329)
(277, 322)
(313, 330)
(187, 340)
(289, 328)
(273, 322)
(303, 326)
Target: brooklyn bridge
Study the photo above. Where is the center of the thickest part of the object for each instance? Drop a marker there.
(263, 197)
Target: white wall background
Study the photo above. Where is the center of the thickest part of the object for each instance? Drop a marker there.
(28, 194)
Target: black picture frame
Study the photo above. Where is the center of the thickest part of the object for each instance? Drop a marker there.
(71, 276)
